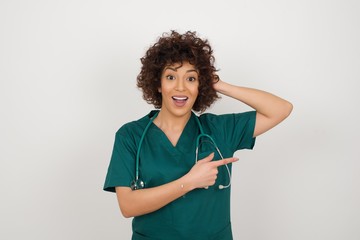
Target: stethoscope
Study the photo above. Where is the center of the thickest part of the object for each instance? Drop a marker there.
(137, 183)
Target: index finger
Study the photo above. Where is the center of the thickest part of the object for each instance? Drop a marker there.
(224, 161)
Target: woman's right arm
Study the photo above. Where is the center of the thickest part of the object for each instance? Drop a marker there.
(139, 202)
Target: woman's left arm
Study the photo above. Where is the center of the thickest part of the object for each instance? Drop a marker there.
(271, 110)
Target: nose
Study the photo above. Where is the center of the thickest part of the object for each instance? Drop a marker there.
(179, 85)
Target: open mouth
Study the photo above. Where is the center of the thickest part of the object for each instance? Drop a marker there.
(180, 101)
(180, 98)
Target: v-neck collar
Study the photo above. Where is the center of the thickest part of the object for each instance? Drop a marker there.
(187, 136)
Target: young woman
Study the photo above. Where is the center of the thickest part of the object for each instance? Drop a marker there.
(171, 169)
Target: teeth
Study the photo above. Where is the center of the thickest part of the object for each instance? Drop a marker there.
(180, 98)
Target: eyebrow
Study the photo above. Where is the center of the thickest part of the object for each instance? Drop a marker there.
(175, 69)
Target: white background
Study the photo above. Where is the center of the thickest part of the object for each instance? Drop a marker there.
(68, 71)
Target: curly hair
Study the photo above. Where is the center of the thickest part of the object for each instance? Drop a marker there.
(172, 48)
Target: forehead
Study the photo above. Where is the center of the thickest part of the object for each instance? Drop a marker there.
(181, 65)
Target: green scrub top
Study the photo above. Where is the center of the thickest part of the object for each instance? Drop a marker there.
(202, 214)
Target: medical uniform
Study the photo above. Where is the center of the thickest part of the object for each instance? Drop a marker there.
(201, 214)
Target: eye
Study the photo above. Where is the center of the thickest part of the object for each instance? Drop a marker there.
(170, 77)
(191, 79)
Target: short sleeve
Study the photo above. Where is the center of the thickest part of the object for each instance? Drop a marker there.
(121, 169)
(235, 130)
(244, 130)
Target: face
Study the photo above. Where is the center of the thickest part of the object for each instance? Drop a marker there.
(179, 88)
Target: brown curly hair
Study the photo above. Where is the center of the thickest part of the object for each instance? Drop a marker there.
(172, 48)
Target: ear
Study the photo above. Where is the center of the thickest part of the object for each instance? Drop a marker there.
(159, 90)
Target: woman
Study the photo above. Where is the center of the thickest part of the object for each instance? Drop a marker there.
(175, 184)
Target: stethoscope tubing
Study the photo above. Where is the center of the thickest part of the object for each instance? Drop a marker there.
(137, 183)
(217, 150)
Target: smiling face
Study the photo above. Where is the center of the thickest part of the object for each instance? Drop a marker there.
(179, 89)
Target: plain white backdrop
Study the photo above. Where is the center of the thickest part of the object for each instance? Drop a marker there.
(67, 83)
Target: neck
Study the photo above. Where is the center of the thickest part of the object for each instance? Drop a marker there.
(169, 122)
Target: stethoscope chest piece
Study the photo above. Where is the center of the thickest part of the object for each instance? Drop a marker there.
(137, 184)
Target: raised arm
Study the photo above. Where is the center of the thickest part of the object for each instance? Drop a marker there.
(271, 110)
(139, 202)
